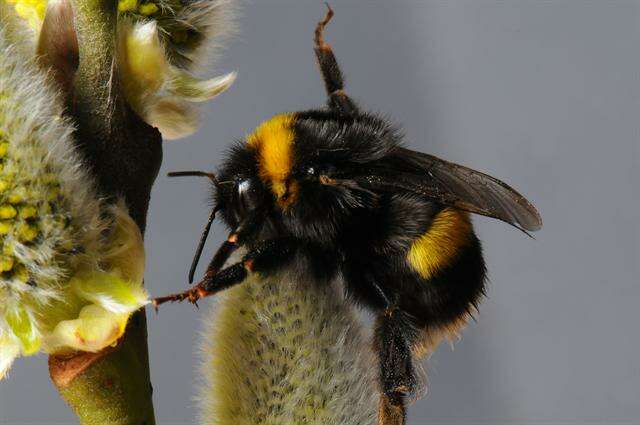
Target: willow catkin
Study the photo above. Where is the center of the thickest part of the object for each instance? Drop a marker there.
(71, 267)
(283, 350)
(161, 44)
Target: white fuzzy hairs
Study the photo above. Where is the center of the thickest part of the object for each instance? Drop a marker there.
(159, 52)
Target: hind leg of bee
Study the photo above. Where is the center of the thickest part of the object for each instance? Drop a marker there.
(394, 337)
(331, 74)
(265, 257)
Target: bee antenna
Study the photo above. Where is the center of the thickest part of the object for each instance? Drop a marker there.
(210, 176)
(203, 239)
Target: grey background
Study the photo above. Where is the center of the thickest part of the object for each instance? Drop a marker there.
(543, 94)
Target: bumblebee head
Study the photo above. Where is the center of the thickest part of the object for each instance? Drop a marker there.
(301, 168)
(300, 173)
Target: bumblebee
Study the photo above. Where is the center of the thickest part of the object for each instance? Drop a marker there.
(332, 192)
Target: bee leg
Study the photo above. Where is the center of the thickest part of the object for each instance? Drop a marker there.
(235, 239)
(263, 258)
(331, 74)
(393, 341)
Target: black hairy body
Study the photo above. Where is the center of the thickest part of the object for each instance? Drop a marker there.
(333, 189)
(352, 229)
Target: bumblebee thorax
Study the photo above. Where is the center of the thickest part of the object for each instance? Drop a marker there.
(273, 141)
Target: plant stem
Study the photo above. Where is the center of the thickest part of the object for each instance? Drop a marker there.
(124, 153)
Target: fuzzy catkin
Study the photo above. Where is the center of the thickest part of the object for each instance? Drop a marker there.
(161, 44)
(193, 31)
(63, 253)
(281, 350)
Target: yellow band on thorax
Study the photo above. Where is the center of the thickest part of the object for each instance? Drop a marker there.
(273, 141)
(449, 232)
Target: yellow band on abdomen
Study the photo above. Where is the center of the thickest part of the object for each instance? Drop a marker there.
(449, 232)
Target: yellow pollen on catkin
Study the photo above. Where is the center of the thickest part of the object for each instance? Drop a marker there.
(6, 263)
(148, 9)
(7, 248)
(17, 196)
(437, 248)
(127, 5)
(28, 211)
(5, 227)
(7, 211)
(4, 149)
(32, 11)
(273, 141)
(27, 233)
(21, 273)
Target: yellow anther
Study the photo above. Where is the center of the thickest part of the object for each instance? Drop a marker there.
(147, 9)
(4, 185)
(21, 273)
(4, 149)
(127, 5)
(7, 211)
(27, 233)
(28, 211)
(5, 227)
(7, 248)
(17, 196)
(6, 263)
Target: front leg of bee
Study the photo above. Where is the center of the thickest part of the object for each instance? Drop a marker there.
(394, 336)
(265, 257)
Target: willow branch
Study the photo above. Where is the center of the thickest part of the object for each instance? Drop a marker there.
(124, 153)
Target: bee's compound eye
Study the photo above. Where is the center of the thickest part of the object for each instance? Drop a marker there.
(248, 195)
(243, 187)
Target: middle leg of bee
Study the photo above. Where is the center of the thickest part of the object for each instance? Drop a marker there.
(394, 337)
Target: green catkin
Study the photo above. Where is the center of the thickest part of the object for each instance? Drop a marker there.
(285, 351)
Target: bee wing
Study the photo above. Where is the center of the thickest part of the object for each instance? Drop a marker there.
(459, 187)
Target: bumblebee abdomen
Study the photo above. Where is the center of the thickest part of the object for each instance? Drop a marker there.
(444, 302)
